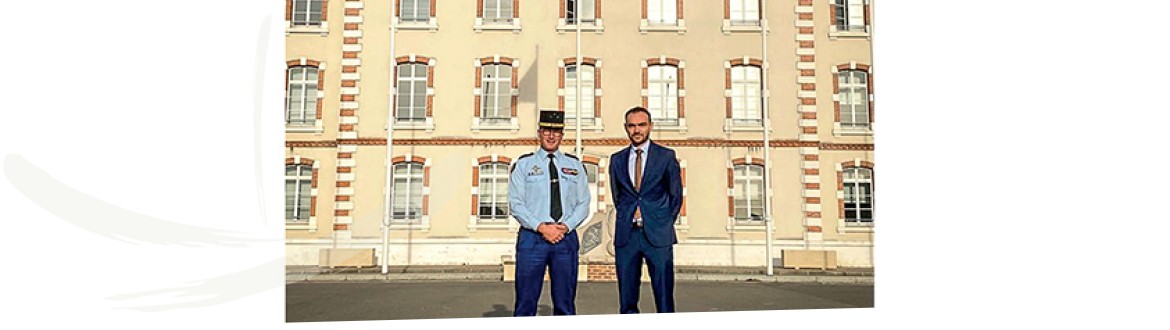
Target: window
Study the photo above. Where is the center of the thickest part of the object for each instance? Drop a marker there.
(749, 192)
(497, 11)
(662, 94)
(849, 15)
(587, 94)
(306, 12)
(587, 14)
(408, 192)
(746, 96)
(411, 98)
(297, 187)
(302, 96)
(744, 12)
(493, 192)
(858, 184)
(853, 99)
(662, 12)
(496, 94)
(415, 11)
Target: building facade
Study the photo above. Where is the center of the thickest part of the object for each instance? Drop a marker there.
(460, 94)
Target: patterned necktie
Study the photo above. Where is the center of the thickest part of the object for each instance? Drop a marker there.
(638, 180)
(554, 187)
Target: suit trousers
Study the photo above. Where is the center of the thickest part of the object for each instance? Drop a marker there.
(534, 254)
(660, 264)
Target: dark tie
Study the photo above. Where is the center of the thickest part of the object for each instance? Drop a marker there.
(638, 182)
(554, 187)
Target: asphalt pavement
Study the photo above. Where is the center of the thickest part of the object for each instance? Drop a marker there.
(351, 301)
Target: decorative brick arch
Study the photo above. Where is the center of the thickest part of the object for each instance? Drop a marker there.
(475, 179)
(868, 86)
(417, 59)
(424, 220)
(734, 62)
(496, 59)
(747, 160)
(316, 166)
(307, 62)
(682, 85)
(561, 91)
(840, 192)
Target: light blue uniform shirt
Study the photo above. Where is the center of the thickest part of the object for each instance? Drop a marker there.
(528, 190)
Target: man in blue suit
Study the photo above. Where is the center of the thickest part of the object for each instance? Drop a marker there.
(646, 185)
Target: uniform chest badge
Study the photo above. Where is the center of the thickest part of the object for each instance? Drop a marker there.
(536, 170)
(569, 171)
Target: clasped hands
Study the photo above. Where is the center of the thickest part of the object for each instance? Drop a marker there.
(552, 232)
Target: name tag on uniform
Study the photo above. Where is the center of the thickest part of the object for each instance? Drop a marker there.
(569, 171)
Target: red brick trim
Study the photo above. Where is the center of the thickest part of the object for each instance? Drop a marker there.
(426, 176)
(714, 143)
(475, 177)
(596, 82)
(682, 113)
(732, 63)
(841, 181)
(320, 81)
(288, 10)
(743, 161)
(424, 60)
(868, 88)
(313, 181)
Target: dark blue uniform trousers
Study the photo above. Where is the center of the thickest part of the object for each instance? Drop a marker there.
(533, 255)
(660, 264)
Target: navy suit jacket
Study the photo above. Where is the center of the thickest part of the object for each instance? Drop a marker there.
(660, 197)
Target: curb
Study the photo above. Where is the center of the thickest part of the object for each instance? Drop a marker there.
(497, 277)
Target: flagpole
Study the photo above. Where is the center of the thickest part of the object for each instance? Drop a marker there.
(767, 128)
(577, 22)
(389, 150)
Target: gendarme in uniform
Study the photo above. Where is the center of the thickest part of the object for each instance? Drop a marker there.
(550, 188)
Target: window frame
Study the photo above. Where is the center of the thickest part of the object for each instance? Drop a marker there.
(500, 174)
(742, 173)
(408, 181)
(660, 87)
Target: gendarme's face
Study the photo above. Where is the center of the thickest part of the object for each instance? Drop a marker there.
(638, 127)
(550, 138)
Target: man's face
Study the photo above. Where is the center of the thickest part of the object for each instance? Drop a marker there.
(638, 127)
(550, 138)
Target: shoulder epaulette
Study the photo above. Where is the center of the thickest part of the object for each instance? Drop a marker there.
(572, 156)
(513, 168)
